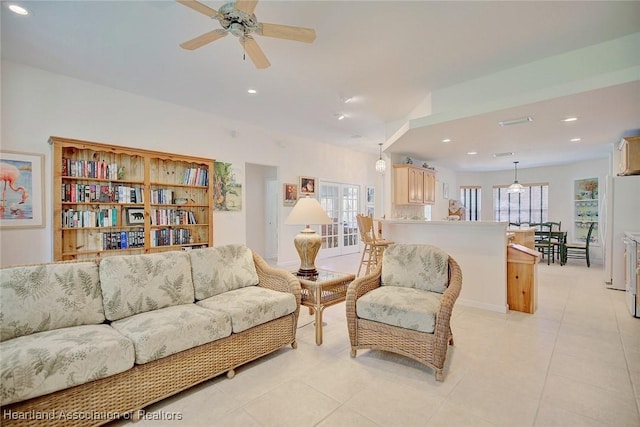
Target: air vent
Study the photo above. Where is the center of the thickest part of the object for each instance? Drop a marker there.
(515, 121)
(507, 154)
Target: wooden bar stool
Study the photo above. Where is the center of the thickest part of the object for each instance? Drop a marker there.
(373, 246)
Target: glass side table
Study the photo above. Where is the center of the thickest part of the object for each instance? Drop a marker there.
(322, 291)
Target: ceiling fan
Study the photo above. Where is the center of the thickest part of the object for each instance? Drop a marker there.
(238, 19)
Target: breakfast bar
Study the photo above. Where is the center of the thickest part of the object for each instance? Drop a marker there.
(480, 247)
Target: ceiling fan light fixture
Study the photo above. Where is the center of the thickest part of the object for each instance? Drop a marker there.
(516, 187)
(517, 121)
(381, 165)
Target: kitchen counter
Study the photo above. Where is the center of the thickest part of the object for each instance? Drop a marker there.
(480, 247)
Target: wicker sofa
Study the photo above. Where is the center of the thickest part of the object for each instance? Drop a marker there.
(404, 306)
(85, 343)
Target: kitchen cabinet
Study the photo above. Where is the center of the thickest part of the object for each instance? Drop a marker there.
(413, 185)
(630, 156)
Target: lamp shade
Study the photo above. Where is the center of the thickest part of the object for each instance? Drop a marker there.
(516, 187)
(308, 211)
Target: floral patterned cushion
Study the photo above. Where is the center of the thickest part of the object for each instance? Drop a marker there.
(49, 296)
(221, 269)
(44, 362)
(167, 331)
(399, 306)
(423, 267)
(251, 306)
(133, 284)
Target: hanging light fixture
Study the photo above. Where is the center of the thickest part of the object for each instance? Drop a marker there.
(381, 165)
(516, 187)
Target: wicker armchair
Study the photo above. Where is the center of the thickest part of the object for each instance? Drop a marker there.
(427, 348)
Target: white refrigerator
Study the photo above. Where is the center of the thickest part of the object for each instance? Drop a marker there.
(620, 213)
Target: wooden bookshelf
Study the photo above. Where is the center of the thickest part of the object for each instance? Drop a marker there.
(110, 200)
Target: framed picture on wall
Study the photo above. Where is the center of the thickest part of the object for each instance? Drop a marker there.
(22, 176)
(290, 194)
(371, 196)
(307, 185)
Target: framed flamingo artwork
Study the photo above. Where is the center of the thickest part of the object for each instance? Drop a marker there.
(22, 190)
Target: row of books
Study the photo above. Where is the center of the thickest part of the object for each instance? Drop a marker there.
(196, 176)
(90, 169)
(85, 193)
(122, 240)
(162, 196)
(172, 216)
(98, 218)
(170, 236)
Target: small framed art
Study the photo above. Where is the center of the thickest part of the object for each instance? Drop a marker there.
(307, 185)
(135, 216)
(290, 194)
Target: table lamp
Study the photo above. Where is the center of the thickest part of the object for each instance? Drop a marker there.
(307, 211)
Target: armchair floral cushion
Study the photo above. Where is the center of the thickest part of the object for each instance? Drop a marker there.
(221, 269)
(49, 296)
(44, 362)
(133, 284)
(407, 308)
(415, 266)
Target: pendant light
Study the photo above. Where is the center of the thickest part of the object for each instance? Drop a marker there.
(381, 165)
(516, 187)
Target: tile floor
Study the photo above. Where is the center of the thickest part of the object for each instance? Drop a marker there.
(575, 362)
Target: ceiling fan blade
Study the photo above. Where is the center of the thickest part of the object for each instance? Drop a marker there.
(204, 39)
(299, 34)
(199, 7)
(247, 6)
(255, 53)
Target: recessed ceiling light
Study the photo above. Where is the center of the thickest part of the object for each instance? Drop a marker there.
(515, 121)
(472, 153)
(570, 119)
(252, 91)
(340, 116)
(347, 100)
(446, 140)
(575, 139)
(18, 9)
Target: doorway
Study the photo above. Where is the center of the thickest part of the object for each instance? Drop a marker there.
(261, 213)
(341, 203)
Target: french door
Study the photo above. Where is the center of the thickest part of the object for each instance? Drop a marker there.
(341, 202)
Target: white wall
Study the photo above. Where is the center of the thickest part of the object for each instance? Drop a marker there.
(37, 104)
(560, 180)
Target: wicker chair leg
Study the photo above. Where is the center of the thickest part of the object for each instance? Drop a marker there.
(137, 415)
(294, 345)
(450, 339)
(231, 373)
(439, 375)
(353, 352)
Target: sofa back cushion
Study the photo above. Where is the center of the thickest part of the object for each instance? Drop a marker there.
(133, 284)
(423, 267)
(221, 269)
(49, 296)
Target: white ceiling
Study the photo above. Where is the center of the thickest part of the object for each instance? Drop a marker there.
(388, 55)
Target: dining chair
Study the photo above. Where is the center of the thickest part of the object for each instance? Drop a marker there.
(543, 241)
(374, 246)
(557, 239)
(580, 250)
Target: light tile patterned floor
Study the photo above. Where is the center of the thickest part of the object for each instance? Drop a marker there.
(575, 362)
